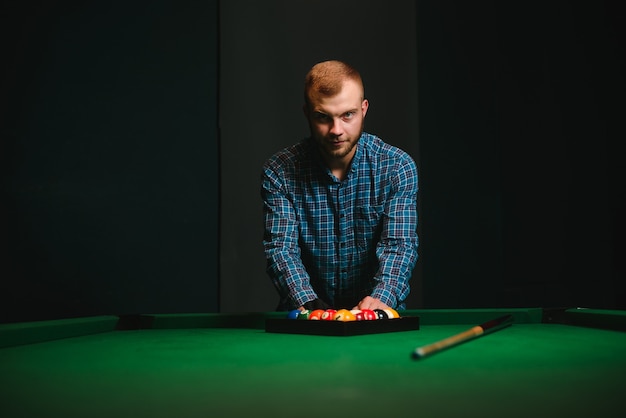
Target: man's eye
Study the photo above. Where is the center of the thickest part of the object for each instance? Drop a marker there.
(348, 115)
(321, 117)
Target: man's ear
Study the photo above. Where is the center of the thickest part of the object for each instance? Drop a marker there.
(364, 106)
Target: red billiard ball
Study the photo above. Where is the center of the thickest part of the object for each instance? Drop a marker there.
(369, 315)
(329, 314)
(316, 315)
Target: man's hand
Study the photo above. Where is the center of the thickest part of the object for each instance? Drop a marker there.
(315, 304)
(369, 302)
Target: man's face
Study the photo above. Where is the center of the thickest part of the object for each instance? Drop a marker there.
(337, 122)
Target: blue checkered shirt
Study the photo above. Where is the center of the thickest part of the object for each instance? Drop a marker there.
(340, 240)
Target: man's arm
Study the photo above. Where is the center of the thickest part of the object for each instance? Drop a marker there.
(397, 249)
(280, 241)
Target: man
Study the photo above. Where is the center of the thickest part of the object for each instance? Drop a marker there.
(340, 207)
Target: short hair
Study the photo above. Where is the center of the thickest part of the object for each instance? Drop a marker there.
(326, 79)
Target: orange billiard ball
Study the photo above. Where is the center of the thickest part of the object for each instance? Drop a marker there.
(316, 315)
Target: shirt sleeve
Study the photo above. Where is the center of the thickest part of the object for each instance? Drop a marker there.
(280, 241)
(397, 248)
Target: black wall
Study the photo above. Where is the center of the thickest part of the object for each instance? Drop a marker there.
(521, 119)
(109, 158)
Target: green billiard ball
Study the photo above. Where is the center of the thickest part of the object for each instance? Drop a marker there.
(304, 314)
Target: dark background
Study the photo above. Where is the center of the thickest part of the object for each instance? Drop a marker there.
(132, 137)
(521, 120)
(109, 158)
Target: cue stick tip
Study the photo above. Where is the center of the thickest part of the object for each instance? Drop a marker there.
(417, 354)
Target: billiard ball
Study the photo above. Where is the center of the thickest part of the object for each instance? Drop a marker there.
(316, 315)
(304, 314)
(369, 315)
(329, 314)
(391, 313)
(358, 314)
(381, 314)
(344, 315)
(293, 314)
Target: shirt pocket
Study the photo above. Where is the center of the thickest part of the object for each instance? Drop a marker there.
(368, 226)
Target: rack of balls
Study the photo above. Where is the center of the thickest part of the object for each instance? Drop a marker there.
(343, 315)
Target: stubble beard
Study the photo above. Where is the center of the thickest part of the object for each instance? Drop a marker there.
(337, 154)
(342, 152)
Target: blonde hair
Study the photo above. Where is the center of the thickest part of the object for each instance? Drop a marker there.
(326, 79)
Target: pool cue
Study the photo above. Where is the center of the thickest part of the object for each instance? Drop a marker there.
(477, 331)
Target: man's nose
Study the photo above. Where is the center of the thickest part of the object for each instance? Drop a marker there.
(335, 127)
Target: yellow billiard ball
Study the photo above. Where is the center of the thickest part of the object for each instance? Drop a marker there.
(391, 313)
(344, 315)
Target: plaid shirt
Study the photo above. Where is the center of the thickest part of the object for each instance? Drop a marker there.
(340, 240)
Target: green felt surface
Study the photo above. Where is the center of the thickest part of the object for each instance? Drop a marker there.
(528, 369)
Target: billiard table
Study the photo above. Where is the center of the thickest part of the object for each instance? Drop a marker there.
(548, 363)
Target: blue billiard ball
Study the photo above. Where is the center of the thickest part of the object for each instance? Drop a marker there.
(293, 314)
